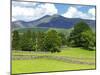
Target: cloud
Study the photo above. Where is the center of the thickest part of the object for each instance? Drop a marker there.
(28, 11)
(92, 12)
(50, 9)
(24, 4)
(70, 12)
(73, 12)
(24, 12)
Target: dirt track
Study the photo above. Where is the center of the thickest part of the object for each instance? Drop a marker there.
(58, 58)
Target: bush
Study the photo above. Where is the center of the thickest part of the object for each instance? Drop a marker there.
(27, 47)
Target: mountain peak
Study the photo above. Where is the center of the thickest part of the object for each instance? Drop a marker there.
(46, 16)
(56, 15)
(52, 21)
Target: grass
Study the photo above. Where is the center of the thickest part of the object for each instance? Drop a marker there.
(44, 29)
(77, 52)
(44, 64)
(62, 30)
(34, 29)
(70, 52)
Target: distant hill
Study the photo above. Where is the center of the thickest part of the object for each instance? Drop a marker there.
(55, 21)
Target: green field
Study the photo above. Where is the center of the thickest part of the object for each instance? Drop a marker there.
(35, 29)
(70, 52)
(44, 65)
(44, 29)
(67, 59)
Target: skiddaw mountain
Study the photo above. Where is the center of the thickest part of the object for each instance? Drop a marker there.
(55, 21)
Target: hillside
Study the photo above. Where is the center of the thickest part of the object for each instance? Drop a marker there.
(55, 21)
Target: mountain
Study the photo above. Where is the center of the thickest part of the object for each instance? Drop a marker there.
(30, 24)
(55, 21)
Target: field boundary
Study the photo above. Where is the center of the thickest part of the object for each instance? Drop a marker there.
(58, 58)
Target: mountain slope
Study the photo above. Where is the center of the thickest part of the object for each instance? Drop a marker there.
(55, 21)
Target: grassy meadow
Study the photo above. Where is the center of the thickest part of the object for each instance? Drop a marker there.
(68, 59)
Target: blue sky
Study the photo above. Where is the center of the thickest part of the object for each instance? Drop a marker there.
(28, 11)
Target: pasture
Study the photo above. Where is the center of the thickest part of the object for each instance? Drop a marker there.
(67, 59)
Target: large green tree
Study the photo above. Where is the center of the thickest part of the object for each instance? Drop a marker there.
(88, 40)
(26, 41)
(52, 41)
(81, 35)
(63, 38)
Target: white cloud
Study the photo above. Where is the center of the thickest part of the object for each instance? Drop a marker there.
(32, 13)
(24, 4)
(50, 9)
(92, 12)
(73, 12)
(22, 12)
(70, 12)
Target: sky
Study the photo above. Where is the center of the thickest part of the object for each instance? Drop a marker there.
(29, 11)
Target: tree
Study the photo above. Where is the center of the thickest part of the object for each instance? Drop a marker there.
(15, 40)
(40, 41)
(26, 41)
(34, 41)
(52, 41)
(63, 38)
(88, 40)
(81, 35)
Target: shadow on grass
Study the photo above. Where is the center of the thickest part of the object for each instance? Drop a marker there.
(89, 49)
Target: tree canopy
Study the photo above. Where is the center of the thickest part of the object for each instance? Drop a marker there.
(51, 40)
(82, 36)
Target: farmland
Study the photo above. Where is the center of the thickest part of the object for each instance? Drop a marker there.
(68, 59)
